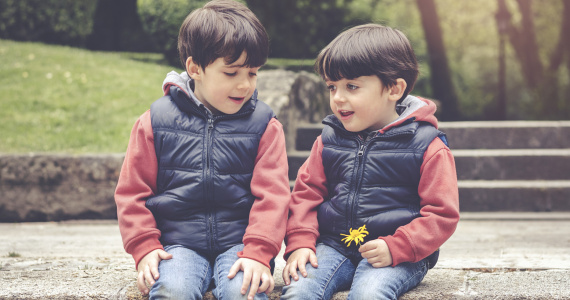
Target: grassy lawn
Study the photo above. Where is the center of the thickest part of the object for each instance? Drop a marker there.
(68, 100)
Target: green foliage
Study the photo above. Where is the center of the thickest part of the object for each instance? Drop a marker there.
(14, 254)
(62, 99)
(162, 19)
(66, 22)
(300, 29)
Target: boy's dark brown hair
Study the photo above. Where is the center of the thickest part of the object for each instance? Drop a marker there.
(366, 50)
(223, 28)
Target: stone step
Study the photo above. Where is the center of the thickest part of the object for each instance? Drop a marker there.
(490, 256)
(514, 195)
(492, 164)
(480, 135)
(511, 195)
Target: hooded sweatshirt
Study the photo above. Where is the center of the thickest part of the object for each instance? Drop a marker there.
(437, 190)
(138, 182)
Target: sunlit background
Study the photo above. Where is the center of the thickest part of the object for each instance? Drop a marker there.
(75, 75)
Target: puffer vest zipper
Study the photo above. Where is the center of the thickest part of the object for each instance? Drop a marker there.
(205, 166)
(373, 182)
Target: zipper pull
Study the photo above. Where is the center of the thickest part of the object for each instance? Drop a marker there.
(361, 151)
(210, 123)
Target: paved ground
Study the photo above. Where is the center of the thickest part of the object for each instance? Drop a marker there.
(491, 256)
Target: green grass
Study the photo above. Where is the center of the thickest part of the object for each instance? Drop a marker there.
(69, 100)
(14, 254)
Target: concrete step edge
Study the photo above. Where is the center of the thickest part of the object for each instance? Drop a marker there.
(518, 184)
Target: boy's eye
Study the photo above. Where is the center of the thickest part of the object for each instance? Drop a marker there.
(252, 74)
(351, 86)
(230, 74)
(331, 87)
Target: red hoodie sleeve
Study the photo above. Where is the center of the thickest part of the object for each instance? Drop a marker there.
(270, 186)
(439, 208)
(309, 191)
(137, 182)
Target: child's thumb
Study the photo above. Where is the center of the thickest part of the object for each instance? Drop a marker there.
(313, 260)
(164, 255)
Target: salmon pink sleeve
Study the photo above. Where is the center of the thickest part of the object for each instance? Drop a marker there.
(439, 208)
(137, 182)
(270, 186)
(308, 193)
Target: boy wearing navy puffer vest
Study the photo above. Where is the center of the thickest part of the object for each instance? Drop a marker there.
(378, 194)
(203, 193)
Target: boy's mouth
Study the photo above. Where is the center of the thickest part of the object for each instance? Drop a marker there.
(345, 113)
(237, 99)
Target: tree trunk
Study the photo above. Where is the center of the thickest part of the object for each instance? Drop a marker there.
(442, 85)
(117, 27)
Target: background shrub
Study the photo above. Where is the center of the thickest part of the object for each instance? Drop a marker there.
(64, 22)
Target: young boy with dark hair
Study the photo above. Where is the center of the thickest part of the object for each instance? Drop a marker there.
(203, 193)
(378, 194)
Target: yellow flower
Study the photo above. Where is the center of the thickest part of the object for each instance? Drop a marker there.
(355, 235)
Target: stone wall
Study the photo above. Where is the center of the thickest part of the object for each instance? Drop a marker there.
(53, 187)
(296, 98)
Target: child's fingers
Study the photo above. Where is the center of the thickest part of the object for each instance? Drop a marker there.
(246, 281)
(141, 285)
(313, 260)
(286, 275)
(234, 270)
(264, 283)
(293, 270)
(254, 286)
(271, 284)
(164, 255)
(148, 275)
(302, 266)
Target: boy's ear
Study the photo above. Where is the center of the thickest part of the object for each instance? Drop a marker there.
(397, 90)
(193, 69)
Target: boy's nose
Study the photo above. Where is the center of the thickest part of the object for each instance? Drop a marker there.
(244, 84)
(338, 97)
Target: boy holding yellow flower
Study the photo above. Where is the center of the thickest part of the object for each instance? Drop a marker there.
(378, 194)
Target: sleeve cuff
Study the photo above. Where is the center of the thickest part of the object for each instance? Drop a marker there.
(142, 249)
(400, 249)
(258, 251)
(300, 240)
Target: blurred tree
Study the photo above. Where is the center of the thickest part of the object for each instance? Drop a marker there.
(64, 22)
(117, 27)
(161, 20)
(301, 28)
(543, 81)
(442, 85)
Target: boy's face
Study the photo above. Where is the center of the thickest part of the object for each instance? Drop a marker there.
(363, 103)
(223, 88)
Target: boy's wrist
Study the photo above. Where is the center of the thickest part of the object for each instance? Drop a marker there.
(300, 240)
(258, 251)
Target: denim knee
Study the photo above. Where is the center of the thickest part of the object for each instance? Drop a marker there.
(186, 276)
(333, 274)
(387, 282)
(230, 288)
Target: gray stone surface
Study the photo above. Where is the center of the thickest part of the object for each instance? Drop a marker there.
(46, 187)
(484, 134)
(295, 97)
(490, 256)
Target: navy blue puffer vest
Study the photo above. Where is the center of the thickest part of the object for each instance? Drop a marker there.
(205, 167)
(373, 182)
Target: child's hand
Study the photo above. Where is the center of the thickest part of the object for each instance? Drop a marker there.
(298, 259)
(376, 253)
(253, 272)
(148, 269)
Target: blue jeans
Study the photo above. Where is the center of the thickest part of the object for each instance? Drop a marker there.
(188, 275)
(337, 273)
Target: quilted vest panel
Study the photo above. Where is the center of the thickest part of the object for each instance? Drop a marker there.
(372, 183)
(205, 166)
